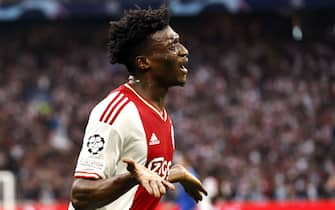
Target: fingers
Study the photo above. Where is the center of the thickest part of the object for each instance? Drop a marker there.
(161, 187)
(128, 160)
(169, 185)
(154, 187)
(153, 183)
(202, 189)
(147, 187)
(198, 196)
(158, 187)
(130, 164)
(195, 190)
(195, 195)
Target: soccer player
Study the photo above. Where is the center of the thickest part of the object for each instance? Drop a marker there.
(126, 157)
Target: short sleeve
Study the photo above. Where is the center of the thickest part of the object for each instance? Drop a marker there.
(100, 150)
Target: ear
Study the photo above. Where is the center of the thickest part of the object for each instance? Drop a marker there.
(142, 62)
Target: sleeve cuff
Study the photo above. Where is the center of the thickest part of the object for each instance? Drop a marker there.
(86, 175)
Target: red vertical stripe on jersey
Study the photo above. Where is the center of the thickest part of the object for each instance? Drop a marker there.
(118, 112)
(110, 104)
(114, 107)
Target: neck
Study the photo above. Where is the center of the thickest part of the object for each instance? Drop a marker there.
(150, 90)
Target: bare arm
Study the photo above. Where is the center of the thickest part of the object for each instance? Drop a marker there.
(177, 173)
(91, 194)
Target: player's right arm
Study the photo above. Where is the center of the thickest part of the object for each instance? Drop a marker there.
(91, 194)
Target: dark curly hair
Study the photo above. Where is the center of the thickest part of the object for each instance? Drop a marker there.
(127, 36)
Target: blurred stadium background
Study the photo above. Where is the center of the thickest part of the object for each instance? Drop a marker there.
(256, 120)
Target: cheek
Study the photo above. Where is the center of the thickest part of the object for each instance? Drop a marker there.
(166, 65)
(170, 62)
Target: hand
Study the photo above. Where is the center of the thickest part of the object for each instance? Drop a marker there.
(191, 184)
(152, 182)
(193, 187)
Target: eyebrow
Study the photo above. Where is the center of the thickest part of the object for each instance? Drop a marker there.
(173, 38)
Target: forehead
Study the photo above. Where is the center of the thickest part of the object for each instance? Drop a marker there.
(166, 34)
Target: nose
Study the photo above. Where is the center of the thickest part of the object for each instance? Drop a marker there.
(182, 51)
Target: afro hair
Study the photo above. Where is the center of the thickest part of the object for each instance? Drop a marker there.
(131, 31)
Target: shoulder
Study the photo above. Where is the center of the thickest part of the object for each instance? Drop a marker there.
(116, 105)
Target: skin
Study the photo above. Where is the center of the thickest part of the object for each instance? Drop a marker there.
(157, 71)
(160, 68)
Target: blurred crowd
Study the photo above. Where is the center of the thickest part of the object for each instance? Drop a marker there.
(255, 120)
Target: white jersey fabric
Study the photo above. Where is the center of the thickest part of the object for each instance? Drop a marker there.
(125, 124)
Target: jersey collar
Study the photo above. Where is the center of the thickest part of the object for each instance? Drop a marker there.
(162, 114)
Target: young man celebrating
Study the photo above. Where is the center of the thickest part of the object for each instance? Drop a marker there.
(126, 157)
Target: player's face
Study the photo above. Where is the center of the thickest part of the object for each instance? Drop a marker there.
(168, 58)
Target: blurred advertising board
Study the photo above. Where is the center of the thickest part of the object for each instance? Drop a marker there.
(64, 206)
(63, 9)
(262, 205)
(278, 205)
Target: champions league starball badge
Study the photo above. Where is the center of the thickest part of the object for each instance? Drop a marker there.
(95, 144)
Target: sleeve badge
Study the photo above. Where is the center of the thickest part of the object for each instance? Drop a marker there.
(95, 144)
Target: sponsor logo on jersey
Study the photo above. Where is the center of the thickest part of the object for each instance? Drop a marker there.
(95, 144)
(160, 166)
(154, 140)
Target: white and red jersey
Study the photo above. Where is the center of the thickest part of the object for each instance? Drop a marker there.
(125, 124)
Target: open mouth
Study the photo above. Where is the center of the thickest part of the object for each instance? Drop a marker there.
(182, 65)
(183, 69)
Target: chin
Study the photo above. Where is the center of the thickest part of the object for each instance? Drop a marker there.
(181, 83)
(178, 83)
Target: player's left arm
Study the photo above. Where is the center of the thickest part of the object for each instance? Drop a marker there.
(191, 184)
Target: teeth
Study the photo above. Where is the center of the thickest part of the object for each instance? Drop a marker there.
(183, 69)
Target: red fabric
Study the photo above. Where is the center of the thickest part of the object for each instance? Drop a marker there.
(284, 205)
(160, 152)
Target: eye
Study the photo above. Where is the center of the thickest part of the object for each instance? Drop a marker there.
(173, 46)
